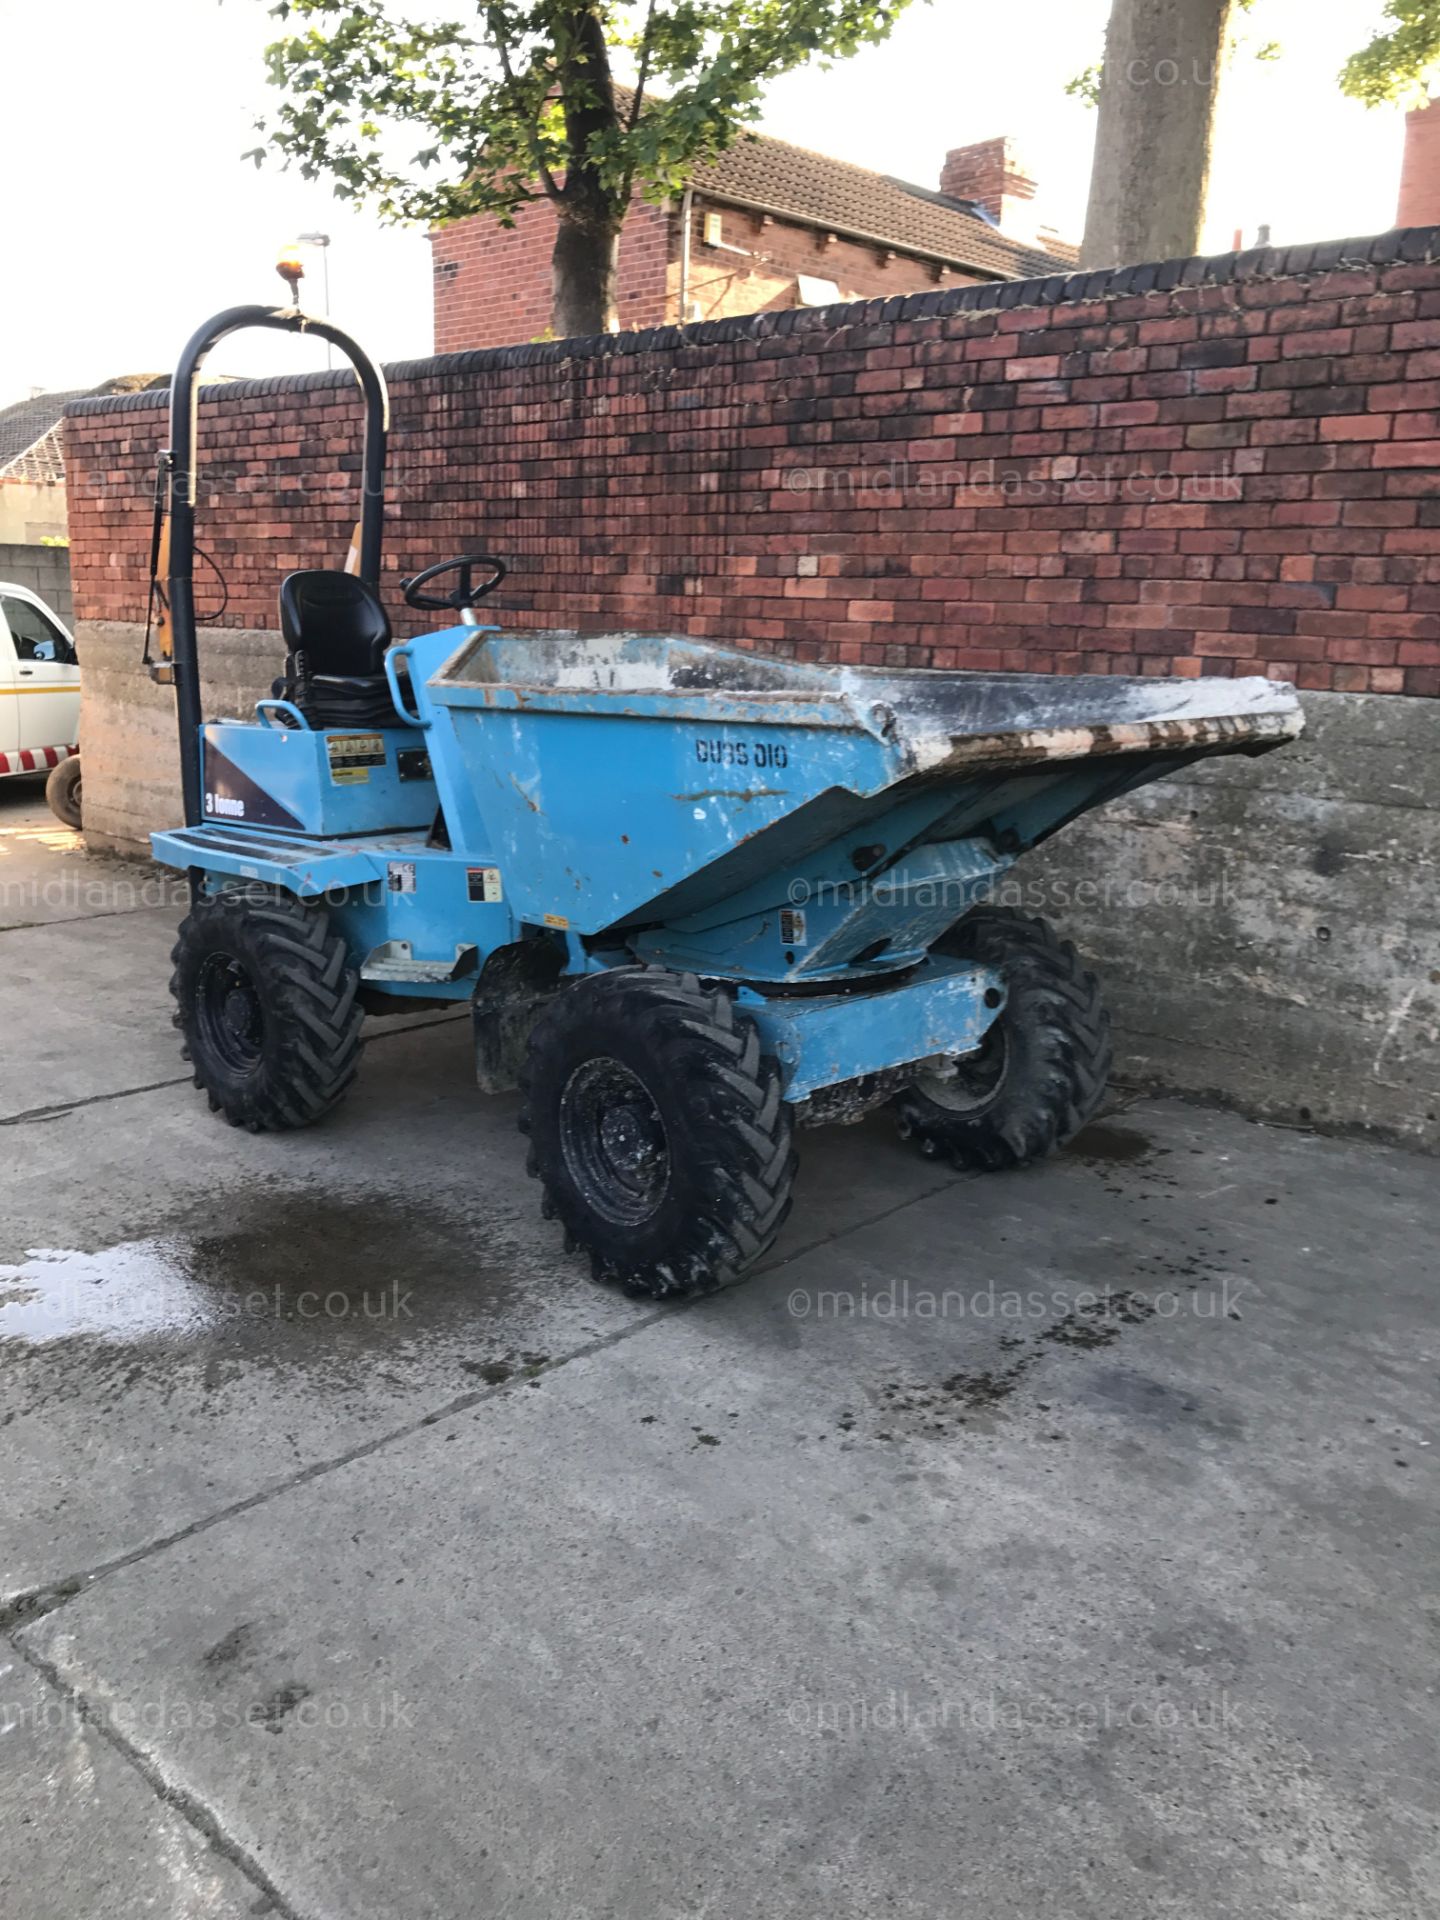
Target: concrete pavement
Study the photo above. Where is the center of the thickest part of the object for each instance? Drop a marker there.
(1055, 1544)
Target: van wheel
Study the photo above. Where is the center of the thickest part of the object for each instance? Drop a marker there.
(658, 1130)
(62, 791)
(268, 1005)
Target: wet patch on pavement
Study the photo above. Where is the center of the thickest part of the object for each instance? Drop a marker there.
(496, 1372)
(291, 1261)
(1112, 1152)
(344, 1291)
(1144, 1402)
(965, 1398)
(1097, 1322)
(1103, 1144)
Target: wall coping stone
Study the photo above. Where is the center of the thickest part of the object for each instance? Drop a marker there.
(1402, 246)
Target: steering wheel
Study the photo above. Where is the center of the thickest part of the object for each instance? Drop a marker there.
(466, 593)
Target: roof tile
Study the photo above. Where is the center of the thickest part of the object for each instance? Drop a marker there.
(26, 424)
(822, 192)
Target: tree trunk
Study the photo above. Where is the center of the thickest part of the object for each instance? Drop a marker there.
(1158, 93)
(591, 211)
(583, 270)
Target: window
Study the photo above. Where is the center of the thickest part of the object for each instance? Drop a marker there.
(35, 634)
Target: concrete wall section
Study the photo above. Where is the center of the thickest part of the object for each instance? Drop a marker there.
(31, 511)
(127, 723)
(45, 570)
(1267, 929)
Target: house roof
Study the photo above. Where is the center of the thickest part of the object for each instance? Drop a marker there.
(30, 437)
(30, 444)
(797, 184)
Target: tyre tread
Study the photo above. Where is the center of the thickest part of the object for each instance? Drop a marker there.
(1059, 998)
(312, 995)
(694, 1029)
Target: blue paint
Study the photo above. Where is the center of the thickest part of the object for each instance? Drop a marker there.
(631, 798)
(339, 781)
(942, 1008)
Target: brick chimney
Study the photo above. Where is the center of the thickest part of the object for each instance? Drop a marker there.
(1420, 173)
(992, 174)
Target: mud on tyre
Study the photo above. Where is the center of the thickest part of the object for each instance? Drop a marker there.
(1042, 1070)
(658, 1130)
(267, 1003)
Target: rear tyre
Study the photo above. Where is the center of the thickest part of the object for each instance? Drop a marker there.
(267, 1002)
(1042, 1070)
(657, 1130)
(62, 791)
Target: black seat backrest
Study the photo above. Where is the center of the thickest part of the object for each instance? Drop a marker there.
(336, 621)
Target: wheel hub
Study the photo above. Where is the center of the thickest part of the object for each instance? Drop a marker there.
(242, 1015)
(614, 1141)
(974, 1079)
(229, 1013)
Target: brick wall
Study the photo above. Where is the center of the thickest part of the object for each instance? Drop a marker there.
(992, 173)
(1420, 170)
(1207, 466)
(763, 278)
(45, 570)
(492, 284)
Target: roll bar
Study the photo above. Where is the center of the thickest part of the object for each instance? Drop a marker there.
(180, 489)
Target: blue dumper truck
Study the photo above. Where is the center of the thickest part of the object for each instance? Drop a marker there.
(695, 898)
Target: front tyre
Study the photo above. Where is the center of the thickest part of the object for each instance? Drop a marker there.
(658, 1130)
(267, 1003)
(1042, 1069)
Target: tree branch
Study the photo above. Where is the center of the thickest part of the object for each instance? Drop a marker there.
(644, 72)
(496, 23)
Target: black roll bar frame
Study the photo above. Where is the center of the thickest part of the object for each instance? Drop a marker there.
(180, 490)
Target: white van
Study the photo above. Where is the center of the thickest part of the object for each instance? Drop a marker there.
(39, 699)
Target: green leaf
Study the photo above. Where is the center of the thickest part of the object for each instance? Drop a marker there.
(518, 98)
(1401, 62)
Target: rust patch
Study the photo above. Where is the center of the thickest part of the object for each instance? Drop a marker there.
(732, 793)
(1027, 748)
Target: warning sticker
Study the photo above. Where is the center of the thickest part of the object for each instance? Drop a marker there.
(557, 920)
(483, 883)
(352, 755)
(401, 874)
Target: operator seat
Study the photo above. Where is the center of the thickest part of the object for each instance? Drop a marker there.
(336, 631)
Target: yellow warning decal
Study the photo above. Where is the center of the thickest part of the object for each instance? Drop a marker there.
(352, 755)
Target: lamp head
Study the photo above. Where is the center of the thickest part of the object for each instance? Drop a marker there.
(291, 269)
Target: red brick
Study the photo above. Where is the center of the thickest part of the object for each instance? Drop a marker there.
(1403, 396)
(1245, 531)
(1350, 426)
(1409, 453)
